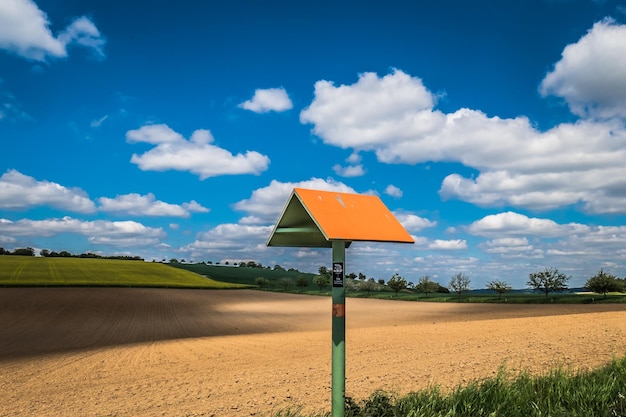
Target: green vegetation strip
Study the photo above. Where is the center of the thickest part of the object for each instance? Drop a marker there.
(36, 271)
(597, 393)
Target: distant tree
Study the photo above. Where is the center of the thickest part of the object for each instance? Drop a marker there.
(351, 275)
(322, 270)
(302, 282)
(362, 276)
(44, 252)
(369, 286)
(381, 281)
(500, 287)
(322, 280)
(548, 280)
(262, 282)
(278, 268)
(173, 261)
(603, 282)
(425, 285)
(459, 283)
(24, 252)
(286, 283)
(351, 284)
(397, 283)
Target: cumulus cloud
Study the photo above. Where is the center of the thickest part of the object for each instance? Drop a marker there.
(266, 100)
(148, 205)
(24, 30)
(372, 110)
(197, 155)
(393, 191)
(591, 74)
(267, 203)
(516, 224)
(454, 244)
(121, 234)
(581, 163)
(349, 171)
(538, 242)
(230, 241)
(512, 247)
(19, 192)
(413, 223)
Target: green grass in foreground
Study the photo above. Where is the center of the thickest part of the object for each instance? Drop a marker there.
(36, 271)
(597, 393)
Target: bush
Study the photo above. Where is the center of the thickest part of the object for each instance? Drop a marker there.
(262, 282)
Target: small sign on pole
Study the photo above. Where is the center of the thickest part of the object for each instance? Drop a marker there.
(338, 274)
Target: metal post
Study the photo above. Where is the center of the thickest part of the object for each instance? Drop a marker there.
(339, 330)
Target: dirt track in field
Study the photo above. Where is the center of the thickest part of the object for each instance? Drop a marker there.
(164, 352)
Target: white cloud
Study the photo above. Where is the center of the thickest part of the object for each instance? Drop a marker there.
(10, 108)
(349, 171)
(266, 100)
(374, 109)
(98, 122)
(24, 30)
(512, 247)
(268, 202)
(84, 33)
(6, 239)
(19, 191)
(393, 191)
(591, 74)
(230, 241)
(514, 224)
(122, 234)
(148, 205)
(414, 223)
(454, 244)
(196, 155)
(572, 163)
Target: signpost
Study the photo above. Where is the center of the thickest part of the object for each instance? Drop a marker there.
(327, 219)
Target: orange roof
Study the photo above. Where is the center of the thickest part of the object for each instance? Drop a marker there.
(314, 218)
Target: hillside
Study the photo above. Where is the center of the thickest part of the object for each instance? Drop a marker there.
(242, 275)
(39, 271)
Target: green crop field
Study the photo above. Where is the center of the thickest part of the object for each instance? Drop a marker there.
(36, 271)
(242, 275)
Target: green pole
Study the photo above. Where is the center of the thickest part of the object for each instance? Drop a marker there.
(339, 330)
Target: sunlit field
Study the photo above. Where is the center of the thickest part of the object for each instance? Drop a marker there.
(40, 271)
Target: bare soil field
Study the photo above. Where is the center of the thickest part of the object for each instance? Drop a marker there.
(165, 352)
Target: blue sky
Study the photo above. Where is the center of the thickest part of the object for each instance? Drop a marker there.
(495, 131)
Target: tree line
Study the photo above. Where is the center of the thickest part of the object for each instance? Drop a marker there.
(64, 254)
(547, 281)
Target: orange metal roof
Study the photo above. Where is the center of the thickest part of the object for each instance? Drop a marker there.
(318, 217)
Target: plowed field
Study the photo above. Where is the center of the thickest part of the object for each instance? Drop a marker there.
(165, 352)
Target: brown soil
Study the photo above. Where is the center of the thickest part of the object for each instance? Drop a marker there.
(159, 352)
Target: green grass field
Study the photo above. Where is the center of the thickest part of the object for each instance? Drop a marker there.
(36, 271)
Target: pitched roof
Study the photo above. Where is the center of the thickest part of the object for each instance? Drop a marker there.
(314, 218)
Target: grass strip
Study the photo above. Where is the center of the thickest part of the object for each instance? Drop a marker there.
(595, 393)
